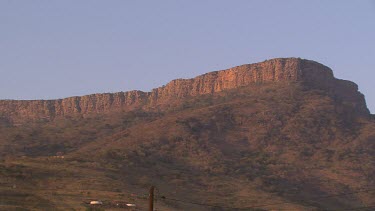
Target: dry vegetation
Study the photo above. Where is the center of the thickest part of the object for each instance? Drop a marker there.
(281, 143)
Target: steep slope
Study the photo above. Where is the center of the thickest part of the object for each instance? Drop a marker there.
(280, 141)
(283, 134)
(275, 70)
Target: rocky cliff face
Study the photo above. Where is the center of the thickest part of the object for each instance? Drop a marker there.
(276, 70)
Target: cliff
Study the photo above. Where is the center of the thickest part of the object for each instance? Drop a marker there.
(309, 72)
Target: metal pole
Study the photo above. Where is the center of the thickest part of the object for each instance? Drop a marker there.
(151, 199)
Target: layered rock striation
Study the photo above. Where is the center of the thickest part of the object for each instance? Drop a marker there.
(309, 72)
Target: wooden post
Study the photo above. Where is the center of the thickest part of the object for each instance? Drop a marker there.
(151, 198)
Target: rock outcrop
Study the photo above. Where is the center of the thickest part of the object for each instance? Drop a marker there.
(275, 70)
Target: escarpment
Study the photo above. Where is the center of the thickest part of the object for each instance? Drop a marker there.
(311, 73)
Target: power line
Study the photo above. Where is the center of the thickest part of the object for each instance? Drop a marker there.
(256, 206)
(71, 206)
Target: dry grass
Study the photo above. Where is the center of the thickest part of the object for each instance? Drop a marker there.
(276, 143)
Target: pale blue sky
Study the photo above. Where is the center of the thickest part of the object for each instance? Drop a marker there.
(54, 49)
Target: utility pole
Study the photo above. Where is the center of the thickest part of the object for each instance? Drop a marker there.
(151, 199)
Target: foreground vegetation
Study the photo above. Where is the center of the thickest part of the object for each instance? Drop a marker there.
(273, 146)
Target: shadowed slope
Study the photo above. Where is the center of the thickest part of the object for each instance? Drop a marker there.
(242, 138)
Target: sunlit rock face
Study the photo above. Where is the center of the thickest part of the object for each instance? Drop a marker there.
(310, 73)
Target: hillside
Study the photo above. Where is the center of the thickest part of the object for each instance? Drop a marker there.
(283, 134)
(274, 70)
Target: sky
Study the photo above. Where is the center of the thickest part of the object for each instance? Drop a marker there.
(53, 49)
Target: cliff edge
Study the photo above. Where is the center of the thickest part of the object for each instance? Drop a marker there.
(311, 73)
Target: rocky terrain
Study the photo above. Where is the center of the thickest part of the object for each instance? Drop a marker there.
(275, 70)
(283, 134)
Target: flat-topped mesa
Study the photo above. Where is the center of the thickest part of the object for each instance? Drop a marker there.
(275, 70)
(290, 69)
(22, 110)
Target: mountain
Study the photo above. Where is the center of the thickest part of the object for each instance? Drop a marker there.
(282, 134)
(275, 70)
